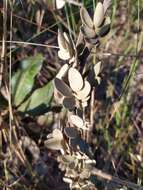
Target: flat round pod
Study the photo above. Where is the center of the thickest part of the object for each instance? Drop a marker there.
(82, 94)
(53, 144)
(88, 32)
(57, 134)
(85, 17)
(104, 30)
(71, 132)
(62, 72)
(98, 15)
(64, 54)
(62, 87)
(60, 4)
(75, 79)
(69, 103)
(77, 121)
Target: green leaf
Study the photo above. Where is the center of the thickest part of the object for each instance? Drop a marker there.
(14, 81)
(39, 101)
(24, 84)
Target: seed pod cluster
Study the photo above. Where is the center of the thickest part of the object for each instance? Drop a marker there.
(72, 89)
(96, 28)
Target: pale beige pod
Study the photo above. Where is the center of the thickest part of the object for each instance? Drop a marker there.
(75, 79)
(60, 4)
(62, 87)
(86, 19)
(77, 121)
(88, 32)
(82, 94)
(98, 15)
(53, 144)
(61, 40)
(62, 72)
(69, 44)
(97, 68)
(57, 134)
(64, 54)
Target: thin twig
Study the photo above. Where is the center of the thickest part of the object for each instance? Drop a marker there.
(33, 44)
(114, 179)
(121, 55)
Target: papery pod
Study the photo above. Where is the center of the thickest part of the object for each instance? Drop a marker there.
(83, 93)
(88, 32)
(58, 96)
(70, 45)
(86, 19)
(93, 41)
(97, 68)
(62, 87)
(62, 72)
(61, 40)
(106, 4)
(54, 144)
(64, 54)
(75, 79)
(57, 134)
(77, 121)
(69, 103)
(71, 132)
(105, 28)
(60, 4)
(98, 15)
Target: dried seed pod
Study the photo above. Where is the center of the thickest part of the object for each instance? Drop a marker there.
(53, 144)
(86, 19)
(106, 4)
(57, 134)
(71, 132)
(55, 140)
(62, 72)
(83, 93)
(98, 15)
(104, 30)
(64, 54)
(60, 4)
(61, 40)
(69, 103)
(62, 87)
(75, 79)
(77, 121)
(97, 68)
(88, 32)
(66, 46)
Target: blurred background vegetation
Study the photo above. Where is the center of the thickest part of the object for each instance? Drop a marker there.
(27, 68)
